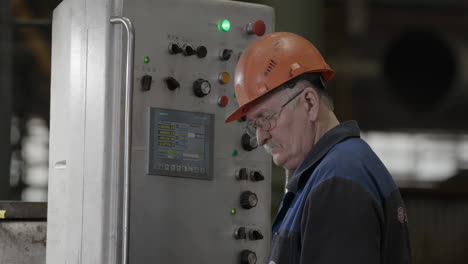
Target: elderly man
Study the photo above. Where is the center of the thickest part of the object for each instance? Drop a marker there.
(342, 205)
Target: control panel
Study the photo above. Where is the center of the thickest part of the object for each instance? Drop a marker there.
(160, 178)
(200, 187)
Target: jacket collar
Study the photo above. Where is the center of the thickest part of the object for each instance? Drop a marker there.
(337, 134)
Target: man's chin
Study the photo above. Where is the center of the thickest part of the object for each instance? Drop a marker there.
(284, 163)
(277, 160)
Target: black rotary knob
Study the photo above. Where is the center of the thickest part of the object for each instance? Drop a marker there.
(248, 143)
(171, 83)
(188, 50)
(201, 52)
(174, 48)
(242, 174)
(240, 233)
(248, 200)
(225, 54)
(201, 87)
(256, 176)
(255, 234)
(248, 257)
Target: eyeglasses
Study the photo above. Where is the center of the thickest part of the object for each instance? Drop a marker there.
(267, 121)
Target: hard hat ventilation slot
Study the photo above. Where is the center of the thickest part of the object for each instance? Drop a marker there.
(271, 65)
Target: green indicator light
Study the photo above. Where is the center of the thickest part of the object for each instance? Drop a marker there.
(146, 59)
(234, 153)
(233, 211)
(224, 25)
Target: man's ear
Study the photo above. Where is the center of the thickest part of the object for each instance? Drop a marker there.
(312, 103)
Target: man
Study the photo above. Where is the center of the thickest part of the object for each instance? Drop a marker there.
(342, 205)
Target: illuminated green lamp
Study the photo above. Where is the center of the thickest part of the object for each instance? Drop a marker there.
(224, 25)
(146, 59)
(233, 211)
(234, 153)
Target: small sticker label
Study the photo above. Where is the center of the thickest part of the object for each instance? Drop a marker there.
(2, 214)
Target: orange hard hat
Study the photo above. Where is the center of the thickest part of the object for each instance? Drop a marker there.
(271, 61)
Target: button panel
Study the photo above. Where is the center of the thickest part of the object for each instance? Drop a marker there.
(196, 73)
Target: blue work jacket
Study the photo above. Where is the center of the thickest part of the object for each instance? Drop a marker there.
(342, 206)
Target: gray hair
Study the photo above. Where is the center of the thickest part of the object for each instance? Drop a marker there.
(299, 83)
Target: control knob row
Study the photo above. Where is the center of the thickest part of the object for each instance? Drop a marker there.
(201, 87)
(188, 50)
(243, 174)
(201, 51)
(253, 234)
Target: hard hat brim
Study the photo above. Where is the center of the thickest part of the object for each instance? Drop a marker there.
(239, 113)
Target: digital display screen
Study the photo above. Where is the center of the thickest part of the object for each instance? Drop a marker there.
(181, 143)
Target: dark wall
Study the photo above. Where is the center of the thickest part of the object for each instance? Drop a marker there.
(420, 57)
(438, 227)
(6, 70)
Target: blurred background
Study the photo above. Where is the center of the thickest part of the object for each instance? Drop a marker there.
(401, 73)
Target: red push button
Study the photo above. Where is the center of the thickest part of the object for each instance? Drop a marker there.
(223, 101)
(258, 28)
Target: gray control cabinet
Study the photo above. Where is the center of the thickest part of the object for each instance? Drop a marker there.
(196, 194)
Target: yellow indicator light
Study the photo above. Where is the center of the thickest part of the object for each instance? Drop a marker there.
(146, 59)
(224, 77)
(233, 211)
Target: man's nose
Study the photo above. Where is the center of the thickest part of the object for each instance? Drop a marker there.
(262, 136)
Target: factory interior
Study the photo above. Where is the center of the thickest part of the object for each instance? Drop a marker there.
(400, 72)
